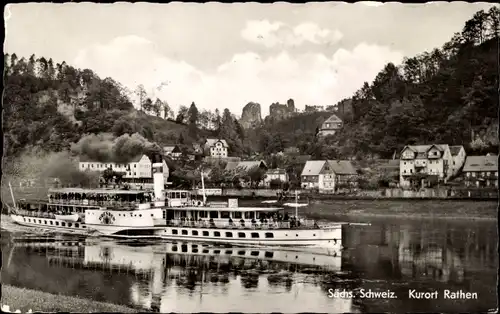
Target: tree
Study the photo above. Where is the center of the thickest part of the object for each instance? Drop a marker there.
(193, 120)
(167, 111)
(140, 92)
(158, 106)
(256, 175)
(182, 115)
(147, 105)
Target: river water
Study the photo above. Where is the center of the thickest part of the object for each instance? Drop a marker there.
(392, 255)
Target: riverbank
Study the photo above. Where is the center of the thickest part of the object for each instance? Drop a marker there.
(26, 299)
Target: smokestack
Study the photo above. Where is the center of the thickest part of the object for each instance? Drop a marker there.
(159, 183)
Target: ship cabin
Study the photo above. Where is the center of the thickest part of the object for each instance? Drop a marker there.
(78, 199)
(196, 213)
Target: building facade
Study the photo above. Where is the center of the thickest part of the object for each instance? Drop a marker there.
(172, 151)
(138, 167)
(423, 165)
(216, 148)
(458, 157)
(330, 126)
(481, 171)
(328, 176)
(275, 174)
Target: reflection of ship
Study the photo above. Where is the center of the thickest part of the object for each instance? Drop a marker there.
(161, 269)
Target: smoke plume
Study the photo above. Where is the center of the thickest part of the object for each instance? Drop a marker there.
(106, 148)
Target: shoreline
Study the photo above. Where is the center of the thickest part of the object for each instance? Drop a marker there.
(38, 301)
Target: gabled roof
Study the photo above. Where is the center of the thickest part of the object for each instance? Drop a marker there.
(134, 159)
(481, 163)
(421, 150)
(342, 167)
(211, 142)
(455, 149)
(333, 118)
(170, 148)
(313, 167)
(276, 171)
(244, 165)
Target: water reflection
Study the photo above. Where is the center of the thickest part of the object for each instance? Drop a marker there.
(191, 277)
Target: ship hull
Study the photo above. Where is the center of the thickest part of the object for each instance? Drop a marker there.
(329, 239)
(64, 226)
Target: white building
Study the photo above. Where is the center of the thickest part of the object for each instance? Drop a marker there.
(419, 164)
(139, 167)
(216, 148)
(275, 174)
(330, 126)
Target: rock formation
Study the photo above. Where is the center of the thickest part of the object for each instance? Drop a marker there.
(251, 116)
(279, 111)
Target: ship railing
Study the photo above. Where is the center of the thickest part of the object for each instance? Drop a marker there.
(228, 225)
(37, 214)
(89, 202)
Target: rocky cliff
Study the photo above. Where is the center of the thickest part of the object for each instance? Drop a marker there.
(251, 116)
(279, 111)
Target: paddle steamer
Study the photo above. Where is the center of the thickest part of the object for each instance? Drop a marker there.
(173, 215)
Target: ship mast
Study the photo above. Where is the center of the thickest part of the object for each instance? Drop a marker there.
(12, 195)
(203, 188)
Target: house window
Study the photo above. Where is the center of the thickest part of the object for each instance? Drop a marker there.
(468, 174)
(269, 235)
(411, 170)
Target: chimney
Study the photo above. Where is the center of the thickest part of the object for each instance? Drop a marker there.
(159, 182)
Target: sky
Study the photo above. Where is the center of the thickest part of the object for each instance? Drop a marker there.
(226, 55)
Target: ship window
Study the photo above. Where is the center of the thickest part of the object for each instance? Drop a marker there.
(224, 214)
(194, 250)
(216, 251)
(174, 231)
(255, 235)
(254, 253)
(57, 223)
(241, 252)
(184, 232)
(269, 235)
(195, 232)
(140, 215)
(241, 235)
(216, 234)
(229, 234)
(214, 214)
(237, 215)
(70, 224)
(205, 233)
(63, 224)
(203, 214)
(229, 252)
(205, 251)
(268, 254)
(77, 225)
(249, 215)
(51, 222)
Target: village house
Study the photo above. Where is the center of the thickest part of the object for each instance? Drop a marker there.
(458, 156)
(245, 165)
(137, 171)
(275, 174)
(330, 126)
(216, 148)
(481, 171)
(423, 165)
(173, 151)
(328, 175)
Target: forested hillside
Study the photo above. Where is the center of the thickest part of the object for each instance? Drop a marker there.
(448, 95)
(49, 106)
